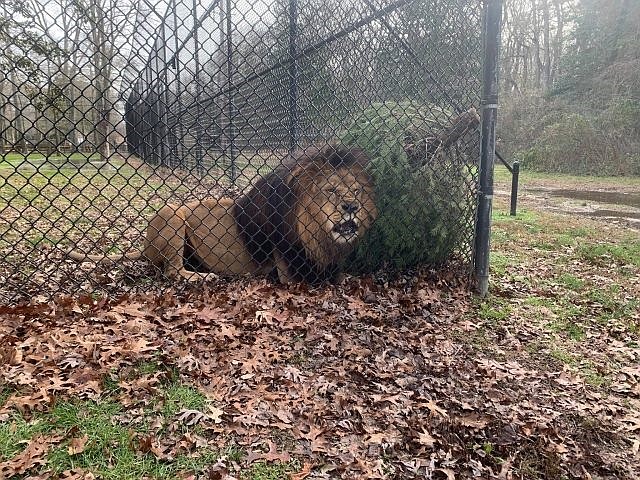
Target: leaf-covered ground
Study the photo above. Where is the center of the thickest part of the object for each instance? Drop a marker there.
(412, 377)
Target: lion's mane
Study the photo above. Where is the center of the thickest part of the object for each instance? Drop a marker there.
(282, 216)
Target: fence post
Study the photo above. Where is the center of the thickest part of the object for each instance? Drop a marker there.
(231, 106)
(515, 178)
(197, 129)
(293, 75)
(489, 106)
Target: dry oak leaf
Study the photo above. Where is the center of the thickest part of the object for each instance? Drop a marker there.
(302, 474)
(35, 454)
(376, 438)
(425, 438)
(448, 472)
(77, 474)
(431, 405)
(474, 420)
(215, 414)
(78, 444)
(271, 456)
(191, 417)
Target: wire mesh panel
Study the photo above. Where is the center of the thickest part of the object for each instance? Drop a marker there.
(293, 138)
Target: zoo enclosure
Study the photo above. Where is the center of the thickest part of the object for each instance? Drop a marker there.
(215, 94)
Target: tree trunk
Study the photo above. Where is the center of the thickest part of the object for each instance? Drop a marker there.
(558, 40)
(546, 27)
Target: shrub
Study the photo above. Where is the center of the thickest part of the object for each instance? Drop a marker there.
(549, 134)
(419, 218)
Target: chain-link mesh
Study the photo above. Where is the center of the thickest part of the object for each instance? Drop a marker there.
(291, 138)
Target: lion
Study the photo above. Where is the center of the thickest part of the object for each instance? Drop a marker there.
(299, 222)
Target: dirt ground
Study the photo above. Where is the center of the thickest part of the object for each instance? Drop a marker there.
(614, 200)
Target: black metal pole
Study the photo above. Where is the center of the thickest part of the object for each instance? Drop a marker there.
(174, 61)
(231, 106)
(489, 106)
(515, 178)
(198, 130)
(293, 75)
(163, 94)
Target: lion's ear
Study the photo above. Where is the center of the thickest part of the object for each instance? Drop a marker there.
(315, 161)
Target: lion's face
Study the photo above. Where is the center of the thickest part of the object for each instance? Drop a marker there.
(336, 209)
(342, 201)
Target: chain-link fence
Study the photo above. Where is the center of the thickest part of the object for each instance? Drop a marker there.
(292, 138)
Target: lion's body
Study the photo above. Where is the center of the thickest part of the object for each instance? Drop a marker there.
(213, 239)
(302, 219)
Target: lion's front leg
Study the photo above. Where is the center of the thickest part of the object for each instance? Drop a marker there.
(197, 276)
(283, 270)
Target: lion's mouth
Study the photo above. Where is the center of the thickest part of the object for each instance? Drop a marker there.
(346, 230)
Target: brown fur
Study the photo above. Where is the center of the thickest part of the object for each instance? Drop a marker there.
(302, 219)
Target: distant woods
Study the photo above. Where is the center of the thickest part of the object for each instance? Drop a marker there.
(571, 85)
(570, 82)
(60, 64)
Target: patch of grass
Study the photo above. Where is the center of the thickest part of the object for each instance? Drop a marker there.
(562, 356)
(181, 397)
(109, 452)
(148, 367)
(15, 431)
(500, 237)
(493, 310)
(502, 175)
(110, 382)
(499, 263)
(271, 471)
(523, 216)
(570, 281)
(573, 330)
(5, 393)
(595, 379)
(613, 307)
(540, 302)
(544, 245)
(627, 252)
(566, 314)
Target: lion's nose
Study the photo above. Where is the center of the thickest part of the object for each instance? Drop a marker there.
(350, 207)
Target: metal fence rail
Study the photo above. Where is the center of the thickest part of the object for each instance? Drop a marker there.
(110, 111)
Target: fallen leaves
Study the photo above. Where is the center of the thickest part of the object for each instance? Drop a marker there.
(371, 379)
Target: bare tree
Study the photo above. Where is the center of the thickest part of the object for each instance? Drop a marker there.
(105, 25)
(534, 39)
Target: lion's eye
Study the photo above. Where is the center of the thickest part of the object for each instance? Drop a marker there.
(331, 190)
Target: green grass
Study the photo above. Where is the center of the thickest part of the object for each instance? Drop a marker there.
(277, 471)
(493, 309)
(601, 254)
(562, 356)
(573, 330)
(181, 397)
(525, 219)
(17, 430)
(17, 159)
(570, 281)
(500, 262)
(65, 198)
(5, 393)
(111, 451)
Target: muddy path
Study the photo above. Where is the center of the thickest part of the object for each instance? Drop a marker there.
(606, 199)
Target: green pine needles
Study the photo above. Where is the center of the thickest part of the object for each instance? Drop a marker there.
(419, 205)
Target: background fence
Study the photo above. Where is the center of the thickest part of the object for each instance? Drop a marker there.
(111, 109)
